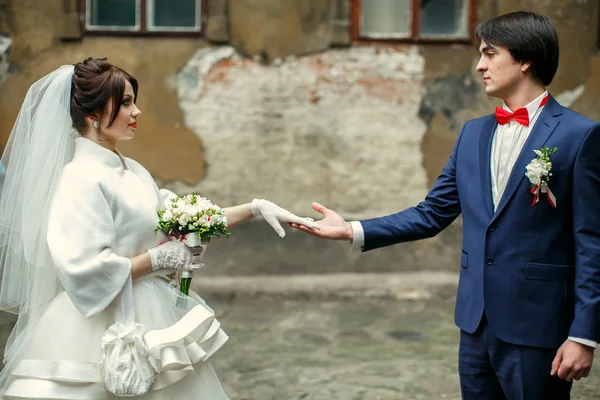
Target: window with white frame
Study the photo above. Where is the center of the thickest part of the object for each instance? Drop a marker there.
(413, 20)
(143, 16)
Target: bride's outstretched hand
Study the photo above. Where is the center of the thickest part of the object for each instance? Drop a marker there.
(272, 213)
(332, 226)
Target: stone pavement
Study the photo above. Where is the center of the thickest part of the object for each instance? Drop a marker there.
(379, 346)
(342, 336)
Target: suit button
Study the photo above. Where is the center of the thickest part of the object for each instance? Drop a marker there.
(492, 229)
(489, 261)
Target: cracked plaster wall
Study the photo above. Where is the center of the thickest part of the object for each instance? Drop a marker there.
(5, 43)
(340, 127)
(368, 140)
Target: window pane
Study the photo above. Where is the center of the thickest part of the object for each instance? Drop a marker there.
(174, 14)
(112, 13)
(444, 18)
(386, 18)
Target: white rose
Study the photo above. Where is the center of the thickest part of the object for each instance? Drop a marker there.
(167, 216)
(188, 209)
(183, 219)
(535, 171)
(180, 204)
(218, 219)
(534, 178)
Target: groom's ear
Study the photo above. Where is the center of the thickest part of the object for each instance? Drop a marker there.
(526, 66)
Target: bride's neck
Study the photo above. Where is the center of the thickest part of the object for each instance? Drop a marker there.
(107, 144)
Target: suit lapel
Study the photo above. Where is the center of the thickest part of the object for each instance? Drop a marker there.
(538, 137)
(485, 156)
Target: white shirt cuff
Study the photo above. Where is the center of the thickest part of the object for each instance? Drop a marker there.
(586, 342)
(358, 236)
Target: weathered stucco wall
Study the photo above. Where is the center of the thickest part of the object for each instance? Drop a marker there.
(272, 29)
(162, 135)
(5, 43)
(315, 128)
(364, 129)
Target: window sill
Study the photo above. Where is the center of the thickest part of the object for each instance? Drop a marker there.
(90, 33)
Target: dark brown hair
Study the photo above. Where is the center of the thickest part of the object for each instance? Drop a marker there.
(95, 82)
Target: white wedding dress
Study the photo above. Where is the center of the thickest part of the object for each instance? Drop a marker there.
(104, 212)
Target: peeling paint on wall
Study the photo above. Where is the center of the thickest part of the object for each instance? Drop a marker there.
(5, 43)
(339, 127)
(568, 97)
(449, 95)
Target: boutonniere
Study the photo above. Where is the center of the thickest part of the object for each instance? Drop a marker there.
(538, 172)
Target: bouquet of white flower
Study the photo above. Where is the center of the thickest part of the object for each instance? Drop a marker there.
(192, 220)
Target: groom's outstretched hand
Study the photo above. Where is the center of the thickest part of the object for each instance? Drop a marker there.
(573, 361)
(332, 226)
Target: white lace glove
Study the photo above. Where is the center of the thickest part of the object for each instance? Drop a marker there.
(273, 214)
(173, 254)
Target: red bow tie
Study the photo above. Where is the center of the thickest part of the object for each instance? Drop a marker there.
(520, 115)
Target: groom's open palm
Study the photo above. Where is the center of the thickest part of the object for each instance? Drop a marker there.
(332, 226)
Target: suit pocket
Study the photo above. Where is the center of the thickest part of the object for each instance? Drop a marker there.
(464, 260)
(548, 272)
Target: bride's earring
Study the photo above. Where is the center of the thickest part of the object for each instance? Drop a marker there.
(96, 124)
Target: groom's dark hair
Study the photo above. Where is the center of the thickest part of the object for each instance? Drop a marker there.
(529, 37)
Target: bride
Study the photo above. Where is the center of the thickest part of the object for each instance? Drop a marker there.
(77, 225)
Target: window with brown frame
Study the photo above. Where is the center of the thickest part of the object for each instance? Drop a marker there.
(143, 16)
(413, 20)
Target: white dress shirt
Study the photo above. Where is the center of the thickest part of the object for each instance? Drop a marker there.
(507, 142)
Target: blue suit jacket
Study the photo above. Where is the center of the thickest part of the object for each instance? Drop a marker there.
(535, 270)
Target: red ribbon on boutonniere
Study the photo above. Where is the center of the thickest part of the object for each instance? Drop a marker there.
(535, 191)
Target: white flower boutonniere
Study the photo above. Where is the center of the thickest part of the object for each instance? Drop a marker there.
(538, 172)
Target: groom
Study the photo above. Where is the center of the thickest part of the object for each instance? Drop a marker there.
(528, 302)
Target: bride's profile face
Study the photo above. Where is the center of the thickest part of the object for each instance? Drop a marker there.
(125, 124)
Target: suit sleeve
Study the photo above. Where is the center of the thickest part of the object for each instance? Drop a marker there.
(440, 207)
(586, 226)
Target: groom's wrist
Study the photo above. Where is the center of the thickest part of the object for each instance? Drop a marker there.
(586, 342)
(349, 235)
(358, 236)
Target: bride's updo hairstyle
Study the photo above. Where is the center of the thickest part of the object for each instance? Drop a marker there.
(95, 81)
